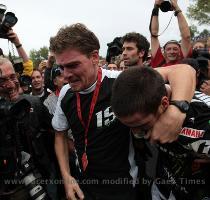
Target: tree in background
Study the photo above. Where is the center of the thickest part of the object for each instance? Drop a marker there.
(196, 35)
(199, 11)
(193, 31)
(38, 55)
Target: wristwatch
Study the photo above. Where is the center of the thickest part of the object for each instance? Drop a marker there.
(182, 105)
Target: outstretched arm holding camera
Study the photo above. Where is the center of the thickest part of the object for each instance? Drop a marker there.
(154, 28)
(27, 63)
(183, 28)
(173, 54)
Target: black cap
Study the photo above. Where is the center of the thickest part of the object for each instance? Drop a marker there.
(56, 71)
(25, 80)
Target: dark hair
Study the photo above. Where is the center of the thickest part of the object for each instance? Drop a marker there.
(141, 42)
(56, 71)
(138, 89)
(200, 67)
(76, 36)
(192, 62)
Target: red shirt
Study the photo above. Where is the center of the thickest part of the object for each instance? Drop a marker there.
(159, 60)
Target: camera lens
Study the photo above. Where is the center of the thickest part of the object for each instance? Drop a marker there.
(10, 19)
(165, 6)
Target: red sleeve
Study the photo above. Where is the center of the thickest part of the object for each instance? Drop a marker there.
(189, 55)
(158, 59)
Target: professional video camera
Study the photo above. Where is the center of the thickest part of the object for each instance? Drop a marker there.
(7, 21)
(114, 48)
(15, 163)
(166, 6)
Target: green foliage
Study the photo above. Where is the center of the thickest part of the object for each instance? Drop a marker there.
(200, 11)
(203, 35)
(38, 56)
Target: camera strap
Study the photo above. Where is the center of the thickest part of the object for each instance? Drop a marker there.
(154, 13)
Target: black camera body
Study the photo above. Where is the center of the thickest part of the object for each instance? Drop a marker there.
(114, 48)
(15, 163)
(7, 21)
(166, 6)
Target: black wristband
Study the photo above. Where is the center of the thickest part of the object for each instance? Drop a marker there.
(155, 10)
(18, 46)
(176, 12)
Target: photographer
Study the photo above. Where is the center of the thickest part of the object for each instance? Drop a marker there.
(173, 51)
(35, 126)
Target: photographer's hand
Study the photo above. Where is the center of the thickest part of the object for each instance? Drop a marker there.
(50, 61)
(175, 5)
(13, 37)
(158, 2)
(205, 87)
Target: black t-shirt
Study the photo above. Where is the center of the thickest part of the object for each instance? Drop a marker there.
(110, 154)
(176, 168)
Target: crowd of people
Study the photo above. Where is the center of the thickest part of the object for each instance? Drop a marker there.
(135, 127)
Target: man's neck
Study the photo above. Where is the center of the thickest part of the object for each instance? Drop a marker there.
(37, 92)
(140, 63)
(92, 84)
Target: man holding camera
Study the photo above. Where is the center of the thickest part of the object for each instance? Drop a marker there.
(173, 51)
(31, 131)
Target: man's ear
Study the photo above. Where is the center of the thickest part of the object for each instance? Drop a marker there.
(141, 53)
(164, 104)
(55, 81)
(95, 57)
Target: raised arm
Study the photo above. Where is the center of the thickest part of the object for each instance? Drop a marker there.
(27, 63)
(183, 28)
(13, 37)
(154, 28)
(182, 81)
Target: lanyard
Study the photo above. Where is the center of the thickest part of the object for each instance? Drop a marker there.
(92, 106)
